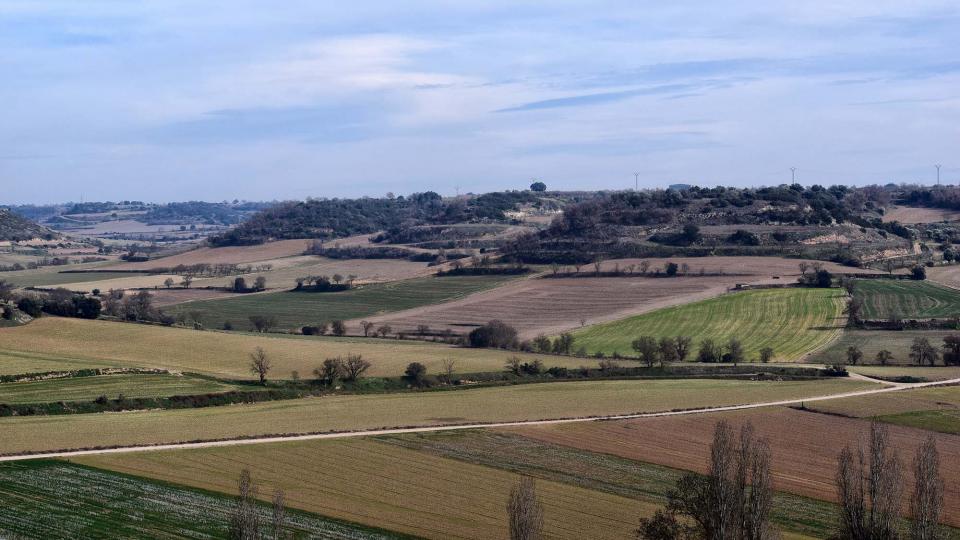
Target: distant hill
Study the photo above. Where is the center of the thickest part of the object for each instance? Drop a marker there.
(334, 218)
(16, 227)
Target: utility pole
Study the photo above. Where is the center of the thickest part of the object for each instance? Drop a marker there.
(938, 173)
(793, 175)
(636, 181)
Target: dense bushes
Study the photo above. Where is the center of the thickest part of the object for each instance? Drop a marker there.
(494, 334)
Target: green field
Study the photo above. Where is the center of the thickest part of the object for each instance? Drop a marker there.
(54, 344)
(50, 499)
(944, 421)
(89, 388)
(791, 321)
(296, 309)
(372, 411)
(870, 342)
(907, 299)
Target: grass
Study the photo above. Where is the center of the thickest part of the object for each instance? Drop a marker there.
(372, 411)
(870, 342)
(791, 321)
(943, 421)
(638, 480)
(50, 499)
(296, 309)
(906, 298)
(937, 373)
(50, 344)
(386, 486)
(89, 388)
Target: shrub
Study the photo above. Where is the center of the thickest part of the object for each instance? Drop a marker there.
(496, 334)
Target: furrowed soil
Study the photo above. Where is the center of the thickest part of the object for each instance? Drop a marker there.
(804, 446)
(906, 298)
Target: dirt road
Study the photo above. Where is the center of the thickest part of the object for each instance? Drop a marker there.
(884, 387)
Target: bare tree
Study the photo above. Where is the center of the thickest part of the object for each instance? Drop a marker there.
(525, 511)
(367, 327)
(245, 521)
(331, 370)
(926, 503)
(260, 364)
(869, 488)
(168, 282)
(682, 346)
(279, 514)
(355, 366)
(187, 280)
(449, 365)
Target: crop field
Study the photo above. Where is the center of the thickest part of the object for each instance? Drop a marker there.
(296, 309)
(387, 486)
(21, 362)
(52, 276)
(804, 446)
(125, 281)
(223, 255)
(912, 214)
(284, 276)
(793, 322)
(890, 372)
(51, 344)
(945, 398)
(163, 298)
(50, 499)
(550, 306)
(750, 269)
(89, 388)
(870, 342)
(372, 411)
(644, 482)
(906, 298)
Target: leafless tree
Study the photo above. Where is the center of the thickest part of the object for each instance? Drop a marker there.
(187, 280)
(869, 489)
(331, 370)
(367, 327)
(682, 346)
(525, 511)
(260, 364)
(245, 521)
(384, 330)
(803, 268)
(449, 365)
(927, 500)
(355, 366)
(644, 266)
(168, 282)
(279, 514)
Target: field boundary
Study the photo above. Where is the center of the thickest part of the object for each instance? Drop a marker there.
(886, 387)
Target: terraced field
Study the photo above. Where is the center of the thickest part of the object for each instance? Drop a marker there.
(793, 322)
(296, 309)
(89, 388)
(906, 298)
(53, 344)
(50, 499)
(372, 411)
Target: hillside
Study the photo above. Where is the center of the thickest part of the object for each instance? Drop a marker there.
(18, 228)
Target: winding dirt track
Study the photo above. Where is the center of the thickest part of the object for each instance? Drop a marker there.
(886, 387)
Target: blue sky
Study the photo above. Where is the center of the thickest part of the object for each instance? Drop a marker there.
(174, 100)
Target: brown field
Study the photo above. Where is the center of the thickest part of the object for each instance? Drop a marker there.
(170, 297)
(945, 275)
(285, 272)
(133, 281)
(223, 255)
(383, 485)
(804, 446)
(909, 214)
(923, 399)
(405, 409)
(553, 305)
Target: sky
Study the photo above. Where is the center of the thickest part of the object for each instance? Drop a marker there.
(201, 100)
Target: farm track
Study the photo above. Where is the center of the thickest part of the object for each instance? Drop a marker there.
(887, 387)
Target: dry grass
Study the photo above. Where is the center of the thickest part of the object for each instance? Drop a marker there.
(910, 214)
(922, 399)
(386, 486)
(938, 373)
(224, 255)
(286, 271)
(129, 281)
(372, 411)
(225, 354)
(804, 446)
(945, 275)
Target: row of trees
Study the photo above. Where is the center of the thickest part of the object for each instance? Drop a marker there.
(667, 350)
(922, 352)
